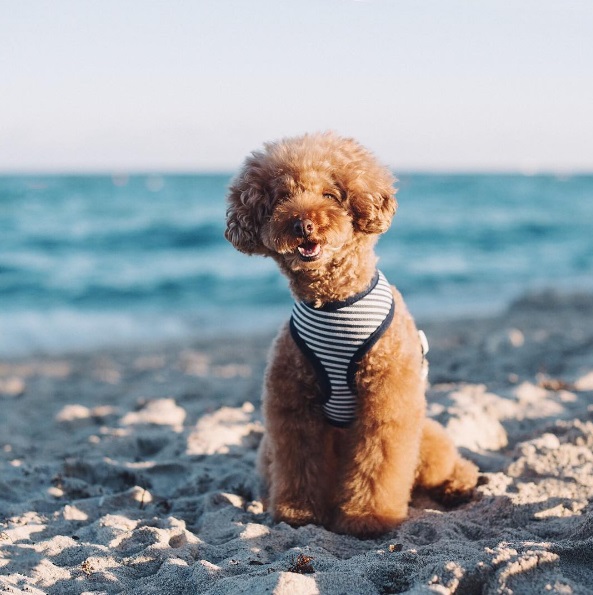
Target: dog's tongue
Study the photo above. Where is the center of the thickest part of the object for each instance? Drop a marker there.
(309, 249)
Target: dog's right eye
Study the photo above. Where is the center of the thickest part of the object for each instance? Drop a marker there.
(330, 195)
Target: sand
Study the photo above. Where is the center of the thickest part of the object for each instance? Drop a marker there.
(132, 470)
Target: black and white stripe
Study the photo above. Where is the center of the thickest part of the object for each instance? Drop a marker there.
(336, 336)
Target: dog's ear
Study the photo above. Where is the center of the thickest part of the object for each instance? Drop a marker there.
(371, 196)
(248, 206)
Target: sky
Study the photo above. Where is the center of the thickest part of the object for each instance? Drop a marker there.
(195, 85)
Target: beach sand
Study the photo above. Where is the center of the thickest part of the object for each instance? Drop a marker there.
(132, 470)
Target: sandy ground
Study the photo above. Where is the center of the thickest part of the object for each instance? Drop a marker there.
(132, 471)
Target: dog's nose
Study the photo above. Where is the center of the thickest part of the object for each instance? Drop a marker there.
(303, 227)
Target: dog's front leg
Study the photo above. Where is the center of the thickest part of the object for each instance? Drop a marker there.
(383, 452)
(299, 457)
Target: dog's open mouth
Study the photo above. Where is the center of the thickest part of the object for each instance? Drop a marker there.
(309, 251)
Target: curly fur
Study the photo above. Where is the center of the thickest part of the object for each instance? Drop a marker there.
(316, 205)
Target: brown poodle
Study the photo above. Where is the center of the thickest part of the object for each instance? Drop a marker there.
(344, 400)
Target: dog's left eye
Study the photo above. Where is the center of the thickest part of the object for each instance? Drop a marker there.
(330, 195)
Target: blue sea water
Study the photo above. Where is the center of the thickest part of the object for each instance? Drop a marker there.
(90, 261)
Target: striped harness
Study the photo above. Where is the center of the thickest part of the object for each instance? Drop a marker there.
(335, 338)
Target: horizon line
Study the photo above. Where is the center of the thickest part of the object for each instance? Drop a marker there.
(183, 171)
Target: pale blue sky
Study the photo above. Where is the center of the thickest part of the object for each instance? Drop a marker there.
(114, 85)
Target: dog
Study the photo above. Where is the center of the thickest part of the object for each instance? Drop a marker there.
(346, 437)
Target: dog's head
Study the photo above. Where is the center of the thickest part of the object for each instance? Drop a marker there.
(304, 200)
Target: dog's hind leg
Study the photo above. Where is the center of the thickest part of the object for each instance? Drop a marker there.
(442, 470)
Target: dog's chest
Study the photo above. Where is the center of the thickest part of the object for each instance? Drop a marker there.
(336, 337)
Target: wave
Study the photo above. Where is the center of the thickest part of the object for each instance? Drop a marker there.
(79, 254)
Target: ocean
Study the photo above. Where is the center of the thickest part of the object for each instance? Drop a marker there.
(91, 261)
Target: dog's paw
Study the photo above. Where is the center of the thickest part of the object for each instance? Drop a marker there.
(366, 525)
(293, 515)
(459, 488)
